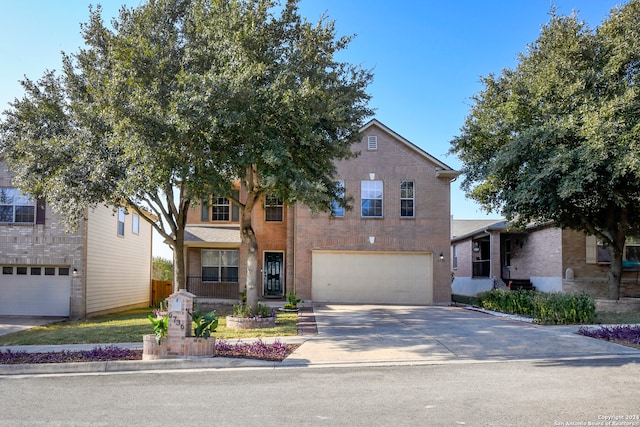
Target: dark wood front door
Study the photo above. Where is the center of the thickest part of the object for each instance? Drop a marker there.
(273, 274)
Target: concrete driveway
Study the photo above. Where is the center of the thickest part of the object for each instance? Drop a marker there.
(10, 324)
(406, 334)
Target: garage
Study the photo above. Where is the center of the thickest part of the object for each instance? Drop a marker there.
(35, 291)
(372, 277)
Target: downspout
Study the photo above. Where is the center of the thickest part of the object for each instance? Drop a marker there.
(293, 245)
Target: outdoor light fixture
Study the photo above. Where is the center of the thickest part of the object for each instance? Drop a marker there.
(372, 239)
(441, 257)
(476, 248)
(75, 271)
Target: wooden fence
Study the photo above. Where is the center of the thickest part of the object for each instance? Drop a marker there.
(160, 290)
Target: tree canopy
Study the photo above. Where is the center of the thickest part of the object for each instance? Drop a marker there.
(557, 138)
(179, 99)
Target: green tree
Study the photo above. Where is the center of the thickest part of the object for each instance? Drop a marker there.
(162, 269)
(180, 99)
(557, 138)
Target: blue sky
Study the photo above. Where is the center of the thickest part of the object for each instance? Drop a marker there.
(427, 56)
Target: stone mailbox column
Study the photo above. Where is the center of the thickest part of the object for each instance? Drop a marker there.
(179, 305)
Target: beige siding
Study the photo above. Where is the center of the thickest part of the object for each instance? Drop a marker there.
(118, 268)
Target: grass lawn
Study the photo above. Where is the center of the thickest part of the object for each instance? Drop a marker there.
(130, 326)
(618, 318)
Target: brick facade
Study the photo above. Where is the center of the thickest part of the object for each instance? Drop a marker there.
(395, 160)
(543, 255)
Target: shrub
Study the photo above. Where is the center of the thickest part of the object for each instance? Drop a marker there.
(548, 308)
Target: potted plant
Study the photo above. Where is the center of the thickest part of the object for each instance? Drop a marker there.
(152, 347)
(292, 302)
(160, 326)
(202, 343)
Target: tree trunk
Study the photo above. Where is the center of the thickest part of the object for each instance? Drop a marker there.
(249, 239)
(179, 272)
(615, 274)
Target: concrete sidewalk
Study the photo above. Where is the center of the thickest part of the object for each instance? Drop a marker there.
(380, 335)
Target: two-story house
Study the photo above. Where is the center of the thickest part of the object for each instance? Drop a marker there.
(391, 248)
(103, 266)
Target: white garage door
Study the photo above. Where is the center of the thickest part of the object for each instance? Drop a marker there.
(372, 277)
(34, 293)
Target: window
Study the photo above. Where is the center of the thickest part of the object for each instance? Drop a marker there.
(406, 199)
(49, 271)
(135, 227)
(337, 211)
(36, 271)
(235, 209)
(455, 257)
(63, 271)
(220, 209)
(219, 265)
(371, 195)
(273, 209)
(598, 252)
(372, 143)
(121, 222)
(21, 270)
(7, 270)
(16, 207)
(204, 210)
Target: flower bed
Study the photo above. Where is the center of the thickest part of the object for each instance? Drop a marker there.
(256, 350)
(626, 335)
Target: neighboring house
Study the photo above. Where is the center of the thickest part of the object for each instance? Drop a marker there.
(489, 253)
(390, 248)
(103, 266)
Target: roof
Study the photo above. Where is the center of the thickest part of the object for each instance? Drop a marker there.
(462, 228)
(444, 170)
(212, 235)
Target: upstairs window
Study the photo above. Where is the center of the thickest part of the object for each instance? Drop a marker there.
(15, 207)
(273, 209)
(337, 211)
(371, 199)
(121, 222)
(406, 199)
(220, 209)
(135, 225)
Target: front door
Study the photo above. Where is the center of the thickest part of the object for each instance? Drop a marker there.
(273, 274)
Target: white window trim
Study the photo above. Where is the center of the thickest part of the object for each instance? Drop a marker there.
(19, 200)
(120, 230)
(381, 198)
(135, 224)
(413, 208)
(279, 205)
(217, 205)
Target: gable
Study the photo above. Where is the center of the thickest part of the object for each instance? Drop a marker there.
(383, 134)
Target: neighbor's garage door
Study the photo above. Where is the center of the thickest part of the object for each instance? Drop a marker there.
(370, 277)
(34, 295)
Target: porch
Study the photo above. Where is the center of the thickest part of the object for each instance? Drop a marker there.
(214, 290)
